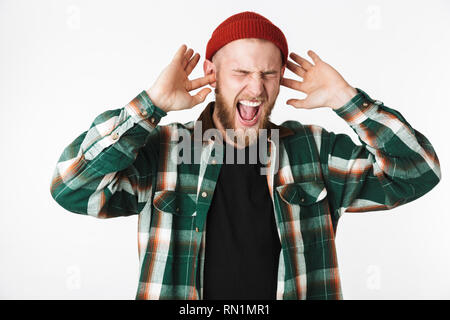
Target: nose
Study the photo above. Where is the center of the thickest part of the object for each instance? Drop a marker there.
(255, 86)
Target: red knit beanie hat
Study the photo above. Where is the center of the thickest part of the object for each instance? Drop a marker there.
(246, 25)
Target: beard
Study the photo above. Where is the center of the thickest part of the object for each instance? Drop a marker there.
(226, 115)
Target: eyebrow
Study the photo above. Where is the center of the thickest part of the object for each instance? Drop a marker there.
(262, 72)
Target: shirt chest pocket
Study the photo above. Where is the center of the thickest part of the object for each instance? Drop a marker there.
(172, 237)
(175, 211)
(303, 193)
(175, 202)
(305, 212)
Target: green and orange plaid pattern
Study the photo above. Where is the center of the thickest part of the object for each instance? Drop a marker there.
(122, 166)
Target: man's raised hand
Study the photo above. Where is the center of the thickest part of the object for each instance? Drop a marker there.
(170, 91)
(322, 84)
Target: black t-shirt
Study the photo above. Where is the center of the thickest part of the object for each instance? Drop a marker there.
(242, 243)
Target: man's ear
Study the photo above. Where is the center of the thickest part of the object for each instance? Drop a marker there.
(283, 68)
(208, 68)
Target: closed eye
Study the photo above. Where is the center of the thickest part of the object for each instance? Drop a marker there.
(270, 73)
(241, 71)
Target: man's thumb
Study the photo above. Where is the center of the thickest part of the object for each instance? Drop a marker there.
(297, 103)
(201, 96)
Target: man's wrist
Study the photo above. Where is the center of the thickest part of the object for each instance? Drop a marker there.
(151, 94)
(342, 96)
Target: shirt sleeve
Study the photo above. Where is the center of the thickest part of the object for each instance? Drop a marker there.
(108, 170)
(395, 163)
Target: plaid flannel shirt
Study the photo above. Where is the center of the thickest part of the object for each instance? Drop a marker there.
(122, 166)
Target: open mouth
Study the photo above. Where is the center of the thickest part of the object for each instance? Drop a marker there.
(248, 112)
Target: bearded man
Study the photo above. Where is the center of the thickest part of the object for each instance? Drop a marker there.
(215, 229)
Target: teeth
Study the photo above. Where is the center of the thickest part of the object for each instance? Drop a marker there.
(249, 103)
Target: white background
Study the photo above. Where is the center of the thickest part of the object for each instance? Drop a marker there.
(64, 62)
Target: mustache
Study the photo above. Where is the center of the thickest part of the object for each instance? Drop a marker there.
(217, 92)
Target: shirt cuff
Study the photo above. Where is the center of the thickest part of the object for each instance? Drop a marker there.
(359, 108)
(144, 111)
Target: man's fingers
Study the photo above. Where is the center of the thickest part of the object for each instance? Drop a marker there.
(293, 84)
(200, 96)
(301, 61)
(200, 82)
(295, 68)
(313, 56)
(178, 57)
(192, 63)
(187, 57)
